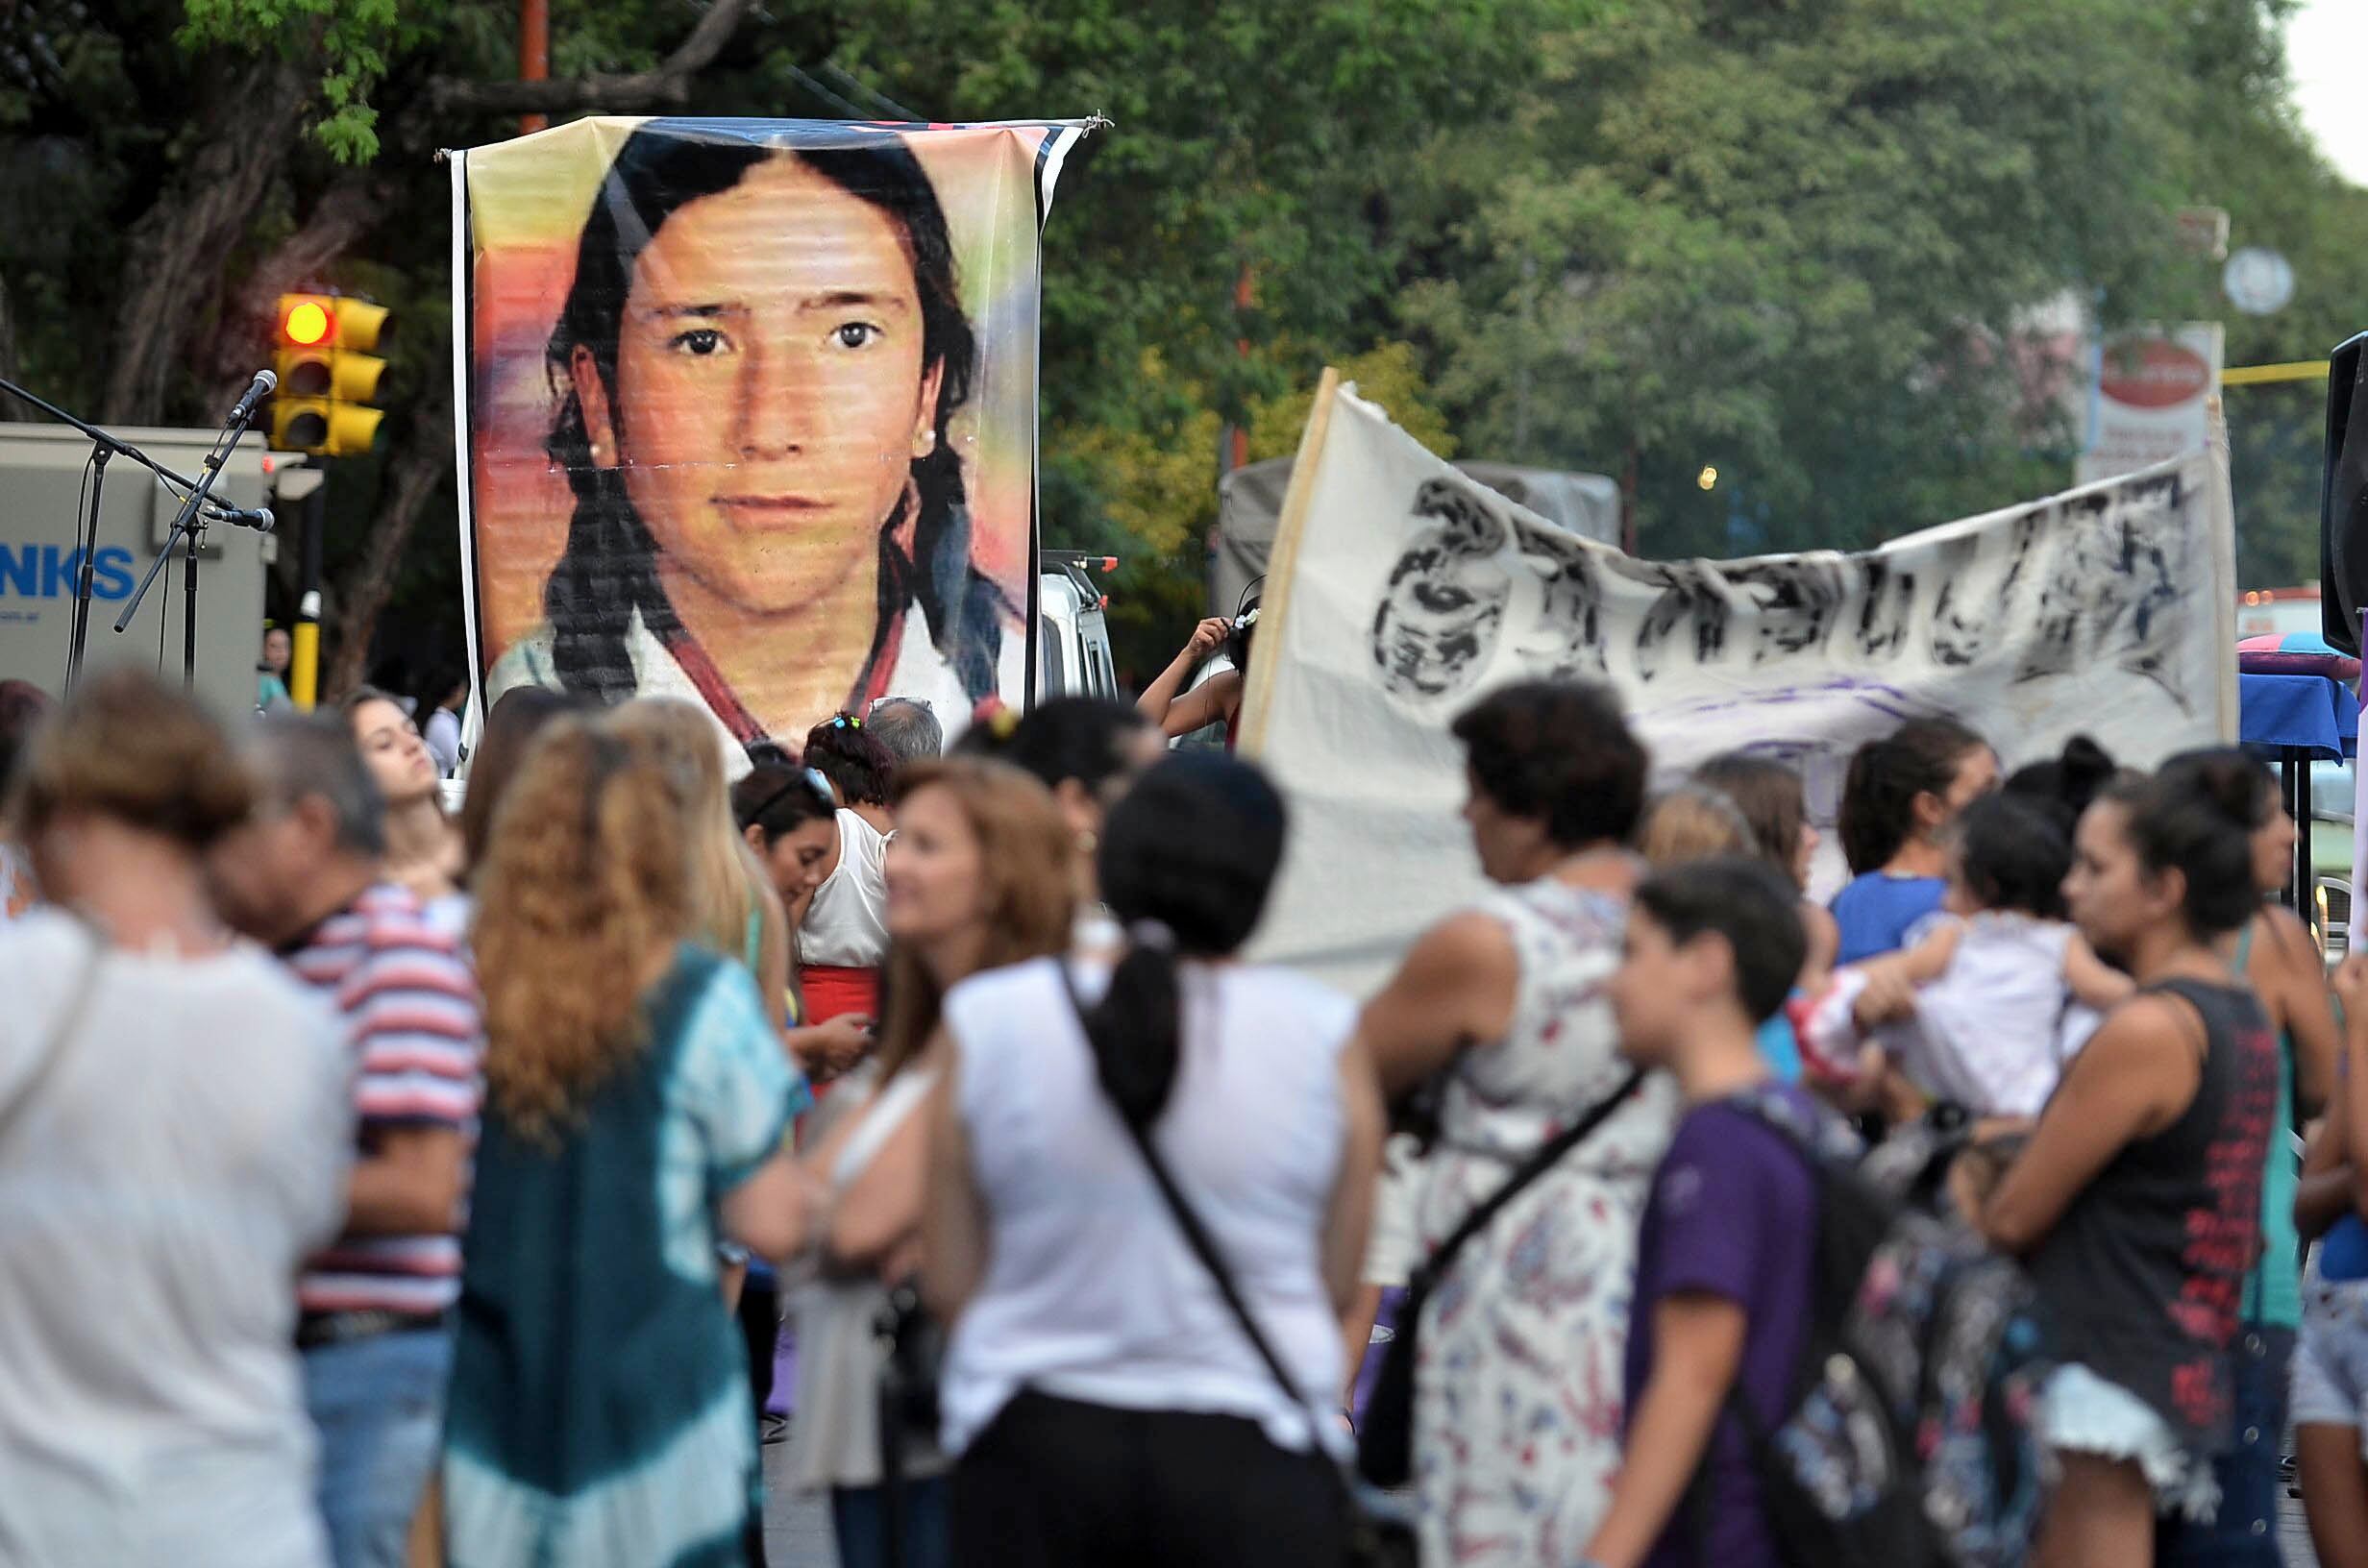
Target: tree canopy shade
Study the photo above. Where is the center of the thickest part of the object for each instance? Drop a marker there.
(1800, 242)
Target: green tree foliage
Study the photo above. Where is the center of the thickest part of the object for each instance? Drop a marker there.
(1800, 241)
(2246, 154)
(1793, 242)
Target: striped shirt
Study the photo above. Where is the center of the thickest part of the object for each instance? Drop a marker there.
(416, 1033)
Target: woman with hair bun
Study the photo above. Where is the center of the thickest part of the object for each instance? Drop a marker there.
(2136, 1201)
(1504, 1004)
(177, 1129)
(1900, 797)
(2276, 955)
(1107, 1405)
(2065, 784)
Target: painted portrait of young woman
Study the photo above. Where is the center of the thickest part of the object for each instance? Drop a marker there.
(752, 413)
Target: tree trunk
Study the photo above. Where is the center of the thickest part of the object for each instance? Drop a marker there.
(248, 121)
(10, 410)
(667, 86)
(423, 464)
(247, 330)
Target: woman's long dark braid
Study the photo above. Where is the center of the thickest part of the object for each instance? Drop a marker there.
(608, 569)
(966, 625)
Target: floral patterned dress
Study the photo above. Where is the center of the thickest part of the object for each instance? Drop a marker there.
(1518, 1414)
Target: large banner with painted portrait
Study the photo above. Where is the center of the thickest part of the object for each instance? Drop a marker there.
(1401, 591)
(748, 410)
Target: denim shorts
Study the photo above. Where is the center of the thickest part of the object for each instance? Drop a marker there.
(2082, 1413)
(2330, 1364)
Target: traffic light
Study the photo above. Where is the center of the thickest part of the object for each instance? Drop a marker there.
(328, 375)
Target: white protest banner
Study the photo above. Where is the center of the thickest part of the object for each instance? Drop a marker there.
(1402, 591)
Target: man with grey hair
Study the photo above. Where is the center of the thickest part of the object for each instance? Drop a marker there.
(906, 728)
(305, 876)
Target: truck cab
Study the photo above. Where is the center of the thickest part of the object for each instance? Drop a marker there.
(1073, 634)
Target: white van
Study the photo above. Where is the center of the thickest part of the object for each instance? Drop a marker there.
(1072, 635)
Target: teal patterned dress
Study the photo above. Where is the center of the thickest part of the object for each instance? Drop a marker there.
(599, 1412)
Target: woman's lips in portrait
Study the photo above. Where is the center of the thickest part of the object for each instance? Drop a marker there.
(769, 512)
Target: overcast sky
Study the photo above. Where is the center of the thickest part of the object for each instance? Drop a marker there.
(2327, 47)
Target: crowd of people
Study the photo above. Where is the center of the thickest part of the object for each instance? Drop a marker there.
(384, 1185)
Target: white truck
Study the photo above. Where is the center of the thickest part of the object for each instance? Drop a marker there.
(43, 503)
(1073, 634)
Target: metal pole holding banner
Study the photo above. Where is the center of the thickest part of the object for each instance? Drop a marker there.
(1282, 569)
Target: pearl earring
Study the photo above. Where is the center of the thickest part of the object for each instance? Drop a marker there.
(1087, 843)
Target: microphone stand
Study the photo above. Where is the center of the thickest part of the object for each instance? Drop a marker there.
(103, 447)
(190, 525)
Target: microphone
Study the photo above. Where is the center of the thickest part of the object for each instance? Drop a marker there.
(260, 519)
(256, 391)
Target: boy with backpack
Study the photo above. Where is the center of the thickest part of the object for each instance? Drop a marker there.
(1818, 1371)
(1723, 1269)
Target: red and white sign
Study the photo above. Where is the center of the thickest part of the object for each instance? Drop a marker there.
(2152, 399)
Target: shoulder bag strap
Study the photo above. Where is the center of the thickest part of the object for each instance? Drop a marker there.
(1429, 1271)
(1196, 1237)
(62, 1031)
(1204, 1247)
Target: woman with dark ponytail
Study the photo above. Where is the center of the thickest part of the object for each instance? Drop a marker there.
(1897, 803)
(757, 367)
(1106, 1403)
(2278, 957)
(2137, 1200)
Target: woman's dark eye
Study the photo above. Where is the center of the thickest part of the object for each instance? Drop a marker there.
(700, 340)
(856, 334)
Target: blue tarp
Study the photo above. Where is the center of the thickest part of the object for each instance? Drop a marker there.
(2312, 715)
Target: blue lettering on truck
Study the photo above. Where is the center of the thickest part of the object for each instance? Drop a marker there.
(47, 572)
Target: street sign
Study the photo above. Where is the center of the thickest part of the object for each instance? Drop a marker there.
(2258, 281)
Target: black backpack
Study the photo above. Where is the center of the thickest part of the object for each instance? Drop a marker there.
(1906, 1439)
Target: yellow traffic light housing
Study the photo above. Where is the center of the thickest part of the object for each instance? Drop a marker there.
(327, 375)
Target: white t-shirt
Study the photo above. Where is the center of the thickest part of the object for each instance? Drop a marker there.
(1091, 1292)
(847, 925)
(159, 1191)
(1995, 1031)
(921, 673)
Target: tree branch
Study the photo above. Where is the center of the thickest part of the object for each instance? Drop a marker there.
(343, 216)
(413, 472)
(243, 135)
(668, 87)
(11, 410)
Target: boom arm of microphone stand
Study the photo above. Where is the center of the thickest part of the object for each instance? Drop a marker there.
(186, 522)
(109, 442)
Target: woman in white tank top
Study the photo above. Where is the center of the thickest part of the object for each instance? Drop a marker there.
(1105, 1404)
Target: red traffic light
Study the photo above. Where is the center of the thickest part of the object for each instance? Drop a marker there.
(305, 323)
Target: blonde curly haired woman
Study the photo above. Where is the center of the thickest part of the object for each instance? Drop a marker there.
(638, 1102)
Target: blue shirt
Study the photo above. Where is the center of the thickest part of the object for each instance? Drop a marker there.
(1875, 911)
(1779, 1048)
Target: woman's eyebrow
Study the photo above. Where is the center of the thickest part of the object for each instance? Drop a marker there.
(839, 299)
(670, 312)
